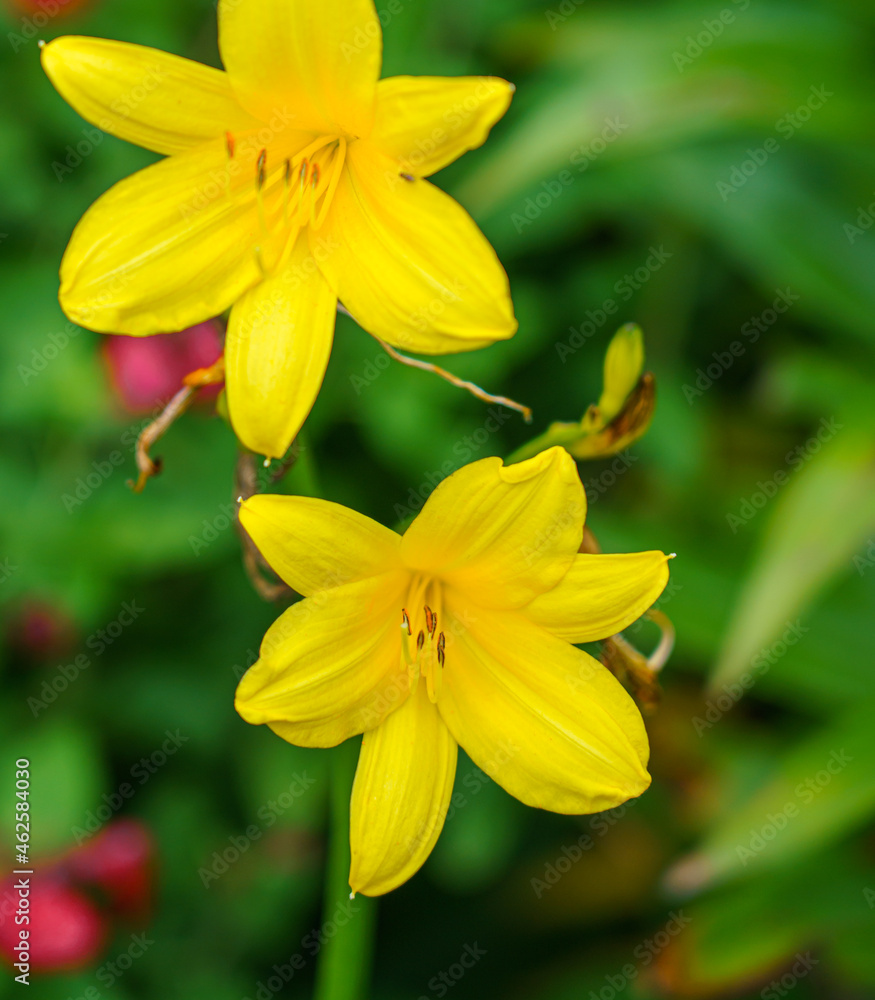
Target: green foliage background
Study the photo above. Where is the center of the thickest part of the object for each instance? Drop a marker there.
(795, 225)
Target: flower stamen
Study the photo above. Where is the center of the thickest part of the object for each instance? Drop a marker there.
(427, 660)
(430, 620)
(315, 146)
(315, 175)
(287, 177)
(434, 672)
(309, 180)
(261, 163)
(333, 181)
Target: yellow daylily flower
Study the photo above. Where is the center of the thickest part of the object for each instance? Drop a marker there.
(458, 633)
(293, 179)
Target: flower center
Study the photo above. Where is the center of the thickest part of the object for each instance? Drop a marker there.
(294, 189)
(423, 644)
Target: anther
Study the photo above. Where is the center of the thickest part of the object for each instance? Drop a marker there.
(314, 177)
(407, 177)
(229, 143)
(420, 640)
(430, 620)
(288, 174)
(441, 648)
(262, 160)
(405, 621)
(305, 166)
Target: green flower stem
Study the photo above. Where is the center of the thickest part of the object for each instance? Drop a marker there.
(305, 470)
(344, 966)
(561, 434)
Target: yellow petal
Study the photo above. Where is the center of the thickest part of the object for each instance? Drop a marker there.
(544, 719)
(330, 666)
(410, 264)
(318, 60)
(401, 795)
(164, 249)
(426, 122)
(623, 363)
(503, 534)
(143, 95)
(315, 545)
(601, 595)
(277, 348)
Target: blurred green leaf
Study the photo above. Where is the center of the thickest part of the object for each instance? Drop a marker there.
(818, 791)
(743, 935)
(818, 523)
(66, 780)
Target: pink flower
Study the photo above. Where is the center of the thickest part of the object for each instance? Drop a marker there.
(146, 372)
(67, 931)
(40, 630)
(119, 861)
(72, 900)
(48, 8)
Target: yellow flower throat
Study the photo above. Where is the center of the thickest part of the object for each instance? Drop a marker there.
(423, 646)
(309, 179)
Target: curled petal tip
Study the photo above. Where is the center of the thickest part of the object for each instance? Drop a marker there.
(555, 458)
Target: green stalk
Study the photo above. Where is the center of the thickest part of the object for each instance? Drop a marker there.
(560, 434)
(305, 472)
(344, 966)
